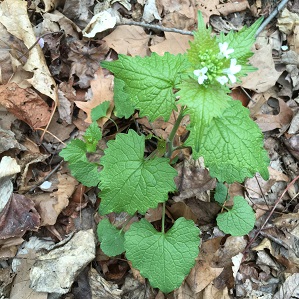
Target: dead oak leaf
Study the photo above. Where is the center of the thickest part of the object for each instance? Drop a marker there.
(174, 43)
(102, 91)
(128, 40)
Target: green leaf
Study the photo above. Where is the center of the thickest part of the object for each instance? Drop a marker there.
(241, 42)
(149, 81)
(161, 147)
(99, 111)
(203, 104)
(232, 146)
(112, 239)
(123, 105)
(85, 172)
(92, 136)
(239, 221)
(164, 258)
(203, 40)
(74, 151)
(129, 182)
(220, 193)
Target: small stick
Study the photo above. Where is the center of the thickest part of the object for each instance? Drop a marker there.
(39, 38)
(46, 177)
(157, 27)
(271, 16)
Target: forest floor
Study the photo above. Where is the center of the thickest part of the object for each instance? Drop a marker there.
(51, 79)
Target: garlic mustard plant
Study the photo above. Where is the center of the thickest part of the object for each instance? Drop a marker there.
(197, 84)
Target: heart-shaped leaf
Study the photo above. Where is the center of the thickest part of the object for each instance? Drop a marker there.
(164, 258)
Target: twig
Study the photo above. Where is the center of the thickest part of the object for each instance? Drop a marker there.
(271, 213)
(271, 16)
(39, 38)
(46, 131)
(47, 176)
(157, 27)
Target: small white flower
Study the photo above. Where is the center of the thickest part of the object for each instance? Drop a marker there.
(222, 80)
(233, 69)
(201, 74)
(224, 49)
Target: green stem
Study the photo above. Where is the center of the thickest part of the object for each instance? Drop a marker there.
(170, 149)
(169, 144)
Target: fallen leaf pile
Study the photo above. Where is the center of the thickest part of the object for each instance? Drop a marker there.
(51, 79)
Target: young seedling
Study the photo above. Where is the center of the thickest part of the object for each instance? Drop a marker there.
(221, 131)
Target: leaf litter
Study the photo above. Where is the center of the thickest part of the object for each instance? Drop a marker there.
(66, 71)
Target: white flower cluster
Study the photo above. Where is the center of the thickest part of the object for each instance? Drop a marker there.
(202, 74)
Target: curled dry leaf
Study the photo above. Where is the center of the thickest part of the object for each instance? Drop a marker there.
(8, 168)
(287, 21)
(18, 216)
(268, 122)
(192, 180)
(13, 15)
(8, 140)
(101, 22)
(289, 289)
(51, 4)
(150, 12)
(85, 60)
(25, 104)
(102, 288)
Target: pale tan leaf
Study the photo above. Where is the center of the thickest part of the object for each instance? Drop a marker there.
(231, 7)
(66, 188)
(102, 91)
(263, 61)
(128, 40)
(174, 43)
(13, 15)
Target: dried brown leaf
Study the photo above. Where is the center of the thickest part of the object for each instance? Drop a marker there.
(18, 216)
(13, 15)
(128, 40)
(231, 7)
(192, 180)
(25, 104)
(268, 122)
(86, 60)
(102, 91)
(174, 43)
(263, 61)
